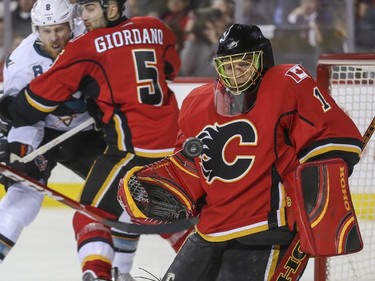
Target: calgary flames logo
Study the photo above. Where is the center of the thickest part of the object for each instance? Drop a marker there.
(225, 155)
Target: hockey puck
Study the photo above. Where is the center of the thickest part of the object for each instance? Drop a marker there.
(193, 147)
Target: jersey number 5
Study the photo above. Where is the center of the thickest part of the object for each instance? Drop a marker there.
(148, 87)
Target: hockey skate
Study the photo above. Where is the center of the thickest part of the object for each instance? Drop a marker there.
(117, 276)
(88, 276)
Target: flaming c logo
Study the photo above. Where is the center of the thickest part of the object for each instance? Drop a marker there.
(216, 139)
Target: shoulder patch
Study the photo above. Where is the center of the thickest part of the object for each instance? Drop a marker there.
(8, 62)
(297, 73)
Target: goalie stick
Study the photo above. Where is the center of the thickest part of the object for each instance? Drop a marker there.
(94, 212)
(369, 132)
(294, 260)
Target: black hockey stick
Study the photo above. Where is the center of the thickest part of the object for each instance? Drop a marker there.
(369, 132)
(94, 212)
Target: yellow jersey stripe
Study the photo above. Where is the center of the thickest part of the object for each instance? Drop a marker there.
(331, 147)
(40, 107)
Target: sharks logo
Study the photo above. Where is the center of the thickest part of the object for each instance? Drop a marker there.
(226, 155)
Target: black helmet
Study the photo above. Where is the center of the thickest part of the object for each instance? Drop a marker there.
(242, 57)
(104, 3)
(241, 38)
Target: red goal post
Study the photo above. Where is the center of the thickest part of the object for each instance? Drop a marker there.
(350, 79)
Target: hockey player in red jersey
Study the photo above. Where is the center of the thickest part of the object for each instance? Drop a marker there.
(258, 123)
(124, 64)
(53, 24)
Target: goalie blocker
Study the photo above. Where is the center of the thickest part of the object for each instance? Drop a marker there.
(320, 205)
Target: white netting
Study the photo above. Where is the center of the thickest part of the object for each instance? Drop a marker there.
(353, 88)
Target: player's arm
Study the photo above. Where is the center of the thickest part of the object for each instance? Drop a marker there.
(55, 86)
(172, 60)
(329, 145)
(26, 108)
(319, 129)
(44, 94)
(319, 203)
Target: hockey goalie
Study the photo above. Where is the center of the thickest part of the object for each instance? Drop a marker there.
(270, 181)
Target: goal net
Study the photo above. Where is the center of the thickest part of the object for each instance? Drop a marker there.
(350, 79)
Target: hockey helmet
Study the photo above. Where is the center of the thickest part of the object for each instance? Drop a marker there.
(242, 57)
(242, 46)
(104, 3)
(51, 12)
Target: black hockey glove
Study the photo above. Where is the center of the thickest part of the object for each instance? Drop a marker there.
(4, 127)
(4, 158)
(4, 150)
(5, 118)
(38, 168)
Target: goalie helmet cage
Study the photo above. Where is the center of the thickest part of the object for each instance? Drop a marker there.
(350, 80)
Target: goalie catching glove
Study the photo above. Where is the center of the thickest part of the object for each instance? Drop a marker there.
(158, 193)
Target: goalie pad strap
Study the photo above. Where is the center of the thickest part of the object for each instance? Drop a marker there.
(320, 205)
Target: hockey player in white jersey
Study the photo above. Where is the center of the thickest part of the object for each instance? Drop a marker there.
(53, 27)
(20, 205)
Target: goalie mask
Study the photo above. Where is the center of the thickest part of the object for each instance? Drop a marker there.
(242, 58)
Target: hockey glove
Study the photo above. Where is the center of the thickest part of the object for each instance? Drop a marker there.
(38, 168)
(4, 158)
(5, 118)
(4, 151)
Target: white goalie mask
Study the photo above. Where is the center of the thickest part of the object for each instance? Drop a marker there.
(51, 12)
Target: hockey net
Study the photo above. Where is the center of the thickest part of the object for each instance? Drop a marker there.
(350, 79)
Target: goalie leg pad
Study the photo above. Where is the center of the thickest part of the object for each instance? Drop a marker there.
(320, 204)
(161, 192)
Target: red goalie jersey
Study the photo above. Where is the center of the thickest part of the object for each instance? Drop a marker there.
(245, 157)
(124, 69)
